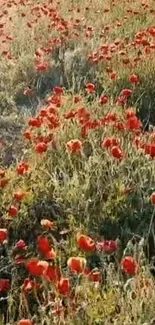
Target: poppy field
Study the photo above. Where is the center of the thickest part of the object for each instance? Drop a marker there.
(77, 162)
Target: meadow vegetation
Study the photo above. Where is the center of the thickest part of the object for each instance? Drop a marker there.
(77, 168)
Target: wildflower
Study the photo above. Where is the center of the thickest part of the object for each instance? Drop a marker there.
(149, 149)
(13, 211)
(4, 285)
(25, 322)
(126, 92)
(58, 90)
(43, 245)
(22, 168)
(51, 255)
(90, 88)
(121, 100)
(129, 113)
(42, 67)
(103, 99)
(108, 246)
(63, 286)
(129, 265)
(43, 112)
(76, 264)
(29, 285)
(21, 245)
(35, 122)
(109, 142)
(133, 123)
(3, 235)
(95, 276)
(74, 146)
(34, 268)
(47, 223)
(41, 147)
(19, 195)
(27, 134)
(116, 152)
(82, 115)
(134, 79)
(86, 243)
(4, 182)
(153, 198)
(52, 274)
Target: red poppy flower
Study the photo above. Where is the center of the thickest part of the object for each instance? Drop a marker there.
(35, 122)
(28, 135)
(103, 99)
(29, 285)
(41, 147)
(129, 265)
(121, 100)
(47, 223)
(82, 115)
(133, 123)
(153, 198)
(126, 92)
(43, 112)
(21, 245)
(117, 152)
(150, 149)
(19, 195)
(63, 286)
(74, 146)
(42, 67)
(58, 90)
(109, 142)
(3, 235)
(110, 118)
(113, 75)
(51, 255)
(90, 88)
(43, 244)
(130, 113)
(134, 79)
(86, 243)
(108, 246)
(76, 264)
(34, 268)
(4, 182)
(52, 274)
(4, 285)
(13, 211)
(95, 276)
(151, 31)
(25, 322)
(22, 168)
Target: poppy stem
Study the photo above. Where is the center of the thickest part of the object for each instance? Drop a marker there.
(151, 223)
(150, 227)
